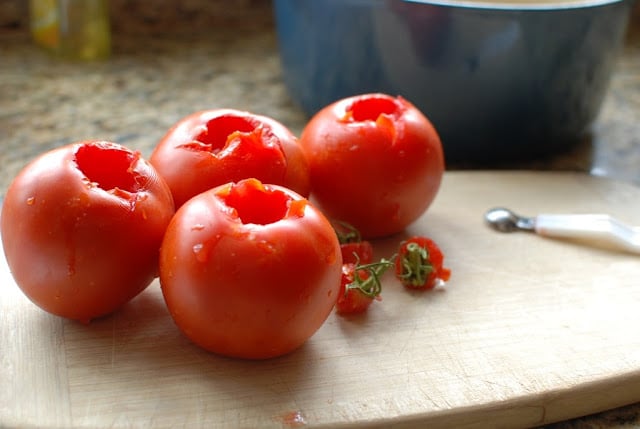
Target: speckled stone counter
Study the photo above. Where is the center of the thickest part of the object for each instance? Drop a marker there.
(179, 57)
(169, 61)
(150, 81)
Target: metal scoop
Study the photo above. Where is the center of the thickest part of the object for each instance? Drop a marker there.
(594, 227)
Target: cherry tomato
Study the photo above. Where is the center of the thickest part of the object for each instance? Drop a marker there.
(376, 162)
(419, 263)
(249, 270)
(82, 227)
(214, 147)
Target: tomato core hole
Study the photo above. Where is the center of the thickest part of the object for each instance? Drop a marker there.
(256, 203)
(218, 130)
(369, 109)
(108, 165)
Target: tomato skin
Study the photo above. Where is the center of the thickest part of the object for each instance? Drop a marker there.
(242, 283)
(213, 147)
(76, 249)
(375, 161)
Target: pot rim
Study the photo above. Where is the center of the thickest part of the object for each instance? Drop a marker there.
(519, 5)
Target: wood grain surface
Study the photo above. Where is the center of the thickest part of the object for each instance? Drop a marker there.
(528, 331)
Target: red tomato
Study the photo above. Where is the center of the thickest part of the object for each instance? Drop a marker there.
(249, 270)
(82, 227)
(376, 162)
(214, 147)
(419, 264)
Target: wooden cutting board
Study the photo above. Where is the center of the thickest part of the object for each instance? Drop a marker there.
(528, 331)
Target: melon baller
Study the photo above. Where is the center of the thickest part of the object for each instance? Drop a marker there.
(590, 227)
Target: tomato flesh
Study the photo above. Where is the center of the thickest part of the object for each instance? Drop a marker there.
(370, 109)
(108, 167)
(217, 131)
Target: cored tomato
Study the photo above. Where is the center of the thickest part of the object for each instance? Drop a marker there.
(420, 263)
(214, 147)
(375, 162)
(82, 227)
(250, 270)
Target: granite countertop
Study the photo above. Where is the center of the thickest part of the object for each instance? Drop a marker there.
(162, 70)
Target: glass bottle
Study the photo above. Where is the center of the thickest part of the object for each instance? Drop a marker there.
(73, 29)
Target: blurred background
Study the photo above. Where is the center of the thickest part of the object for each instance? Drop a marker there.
(167, 58)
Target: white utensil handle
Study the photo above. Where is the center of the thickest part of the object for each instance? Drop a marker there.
(599, 227)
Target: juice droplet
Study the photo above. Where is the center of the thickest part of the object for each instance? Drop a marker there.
(294, 419)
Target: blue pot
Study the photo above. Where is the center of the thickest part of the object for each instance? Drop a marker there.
(498, 80)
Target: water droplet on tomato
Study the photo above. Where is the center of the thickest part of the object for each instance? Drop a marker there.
(197, 227)
(330, 258)
(266, 246)
(31, 201)
(200, 251)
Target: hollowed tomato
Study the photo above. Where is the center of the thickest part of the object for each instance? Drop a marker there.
(82, 227)
(250, 270)
(375, 162)
(214, 147)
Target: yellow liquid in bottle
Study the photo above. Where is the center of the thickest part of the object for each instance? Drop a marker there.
(73, 29)
(44, 23)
